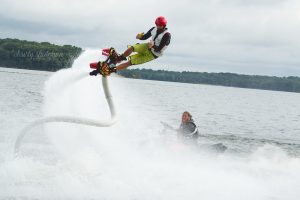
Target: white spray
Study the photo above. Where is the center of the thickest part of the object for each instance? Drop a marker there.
(125, 162)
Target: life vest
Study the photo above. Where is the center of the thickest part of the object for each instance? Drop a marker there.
(157, 40)
(188, 129)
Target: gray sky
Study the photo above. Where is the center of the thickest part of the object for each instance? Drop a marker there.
(240, 36)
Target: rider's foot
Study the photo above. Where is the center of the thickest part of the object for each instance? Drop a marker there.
(121, 57)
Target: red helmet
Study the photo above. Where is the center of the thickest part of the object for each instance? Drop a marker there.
(161, 21)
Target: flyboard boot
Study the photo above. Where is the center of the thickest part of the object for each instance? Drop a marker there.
(108, 66)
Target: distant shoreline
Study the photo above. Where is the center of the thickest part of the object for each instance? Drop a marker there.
(24, 71)
(287, 84)
(43, 56)
(133, 72)
(23, 54)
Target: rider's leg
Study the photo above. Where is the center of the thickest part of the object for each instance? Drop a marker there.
(128, 52)
(123, 65)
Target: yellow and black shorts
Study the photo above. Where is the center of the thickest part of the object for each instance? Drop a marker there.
(143, 54)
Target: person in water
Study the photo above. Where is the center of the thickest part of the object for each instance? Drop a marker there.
(188, 130)
(145, 52)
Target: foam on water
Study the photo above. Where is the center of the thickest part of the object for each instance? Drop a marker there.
(129, 160)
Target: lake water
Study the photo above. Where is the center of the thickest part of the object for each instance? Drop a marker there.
(137, 158)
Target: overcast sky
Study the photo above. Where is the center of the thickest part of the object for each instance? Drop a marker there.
(240, 36)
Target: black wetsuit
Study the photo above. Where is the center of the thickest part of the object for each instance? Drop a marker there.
(188, 130)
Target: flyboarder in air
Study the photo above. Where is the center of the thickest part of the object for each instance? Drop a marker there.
(144, 52)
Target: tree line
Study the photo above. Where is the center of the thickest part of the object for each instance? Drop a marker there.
(290, 84)
(44, 56)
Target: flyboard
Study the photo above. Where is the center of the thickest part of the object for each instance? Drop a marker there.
(77, 120)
